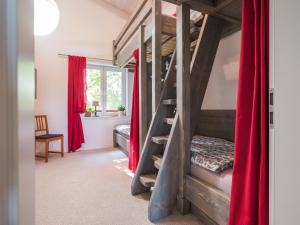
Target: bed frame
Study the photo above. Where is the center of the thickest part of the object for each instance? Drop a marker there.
(207, 202)
(217, 123)
(148, 21)
(121, 142)
(157, 37)
(154, 34)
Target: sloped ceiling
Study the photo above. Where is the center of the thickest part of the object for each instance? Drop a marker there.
(126, 6)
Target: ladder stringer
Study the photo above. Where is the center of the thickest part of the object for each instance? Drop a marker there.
(157, 127)
(202, 63)
(200, 70)
(163, 197)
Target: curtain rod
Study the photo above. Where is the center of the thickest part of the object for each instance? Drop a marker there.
(91, 58)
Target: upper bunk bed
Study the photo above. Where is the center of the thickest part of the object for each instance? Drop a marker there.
(128, 39)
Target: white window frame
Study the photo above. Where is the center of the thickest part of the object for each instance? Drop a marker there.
(103, 95)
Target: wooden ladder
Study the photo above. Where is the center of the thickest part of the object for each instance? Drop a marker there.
(159, 150)
(159, 168)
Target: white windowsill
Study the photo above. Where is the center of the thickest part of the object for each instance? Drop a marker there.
(105, 117)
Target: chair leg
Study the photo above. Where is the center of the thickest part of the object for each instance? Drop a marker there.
(62, 146)
(46, 151)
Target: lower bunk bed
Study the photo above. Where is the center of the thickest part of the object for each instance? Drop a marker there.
(208, 186)
(121, 138)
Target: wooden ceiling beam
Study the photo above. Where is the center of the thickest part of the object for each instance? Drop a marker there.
(207, 5)
(194, 4)
(211, 7)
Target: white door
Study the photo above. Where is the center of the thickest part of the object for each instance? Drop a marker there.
(285, 137)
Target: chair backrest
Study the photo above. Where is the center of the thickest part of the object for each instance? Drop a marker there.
(41, 124)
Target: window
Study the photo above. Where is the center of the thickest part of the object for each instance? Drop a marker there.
(105, 84)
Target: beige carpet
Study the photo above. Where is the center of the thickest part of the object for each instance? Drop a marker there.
(91, 188)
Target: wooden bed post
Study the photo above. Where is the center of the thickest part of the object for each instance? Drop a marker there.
(183, 100)
(114, 50)
(156, 53)
(202, 63)
(143, 88)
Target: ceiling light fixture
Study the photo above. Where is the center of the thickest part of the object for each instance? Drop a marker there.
(46, 17)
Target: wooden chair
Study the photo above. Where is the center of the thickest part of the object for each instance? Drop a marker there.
(42, 135)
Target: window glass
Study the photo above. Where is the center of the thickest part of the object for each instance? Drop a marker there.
(94, 84)
(113, 90)
(107, 86)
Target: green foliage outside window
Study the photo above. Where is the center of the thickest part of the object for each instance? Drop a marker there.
(93, 80)
(111, 81)
(121, 108)
(114, 90)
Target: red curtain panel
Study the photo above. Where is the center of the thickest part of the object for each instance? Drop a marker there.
(134, 130)
(76, 101)
(250, 186)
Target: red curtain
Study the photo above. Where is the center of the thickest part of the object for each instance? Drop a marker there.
(76, 101)
(134, 130)
(250, 186)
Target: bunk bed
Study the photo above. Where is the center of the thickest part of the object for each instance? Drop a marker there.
(121, 138)
(166, 166)
(209, 191)
(129, 38)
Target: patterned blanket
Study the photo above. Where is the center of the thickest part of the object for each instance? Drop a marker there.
(211, 153)
(123, 130)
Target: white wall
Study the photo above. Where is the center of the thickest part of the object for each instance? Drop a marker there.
(168, 8)
(222, 86)
(86, 28)
(98, 131)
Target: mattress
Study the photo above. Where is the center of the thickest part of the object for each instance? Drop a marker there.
(123, 130)
(221, 181)
(212, 161)
(213, 154)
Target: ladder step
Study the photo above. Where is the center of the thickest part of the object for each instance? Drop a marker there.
(169, 121)
(148, 180)
(160, 139)
(156, 157)
(157, 160)
(157, 163)
(193, 44)
(169, 102)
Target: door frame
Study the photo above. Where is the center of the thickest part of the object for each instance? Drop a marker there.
(17, 183)
(284, 137)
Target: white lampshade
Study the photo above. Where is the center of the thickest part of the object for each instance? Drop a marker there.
(46, 17)
(95, 103)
